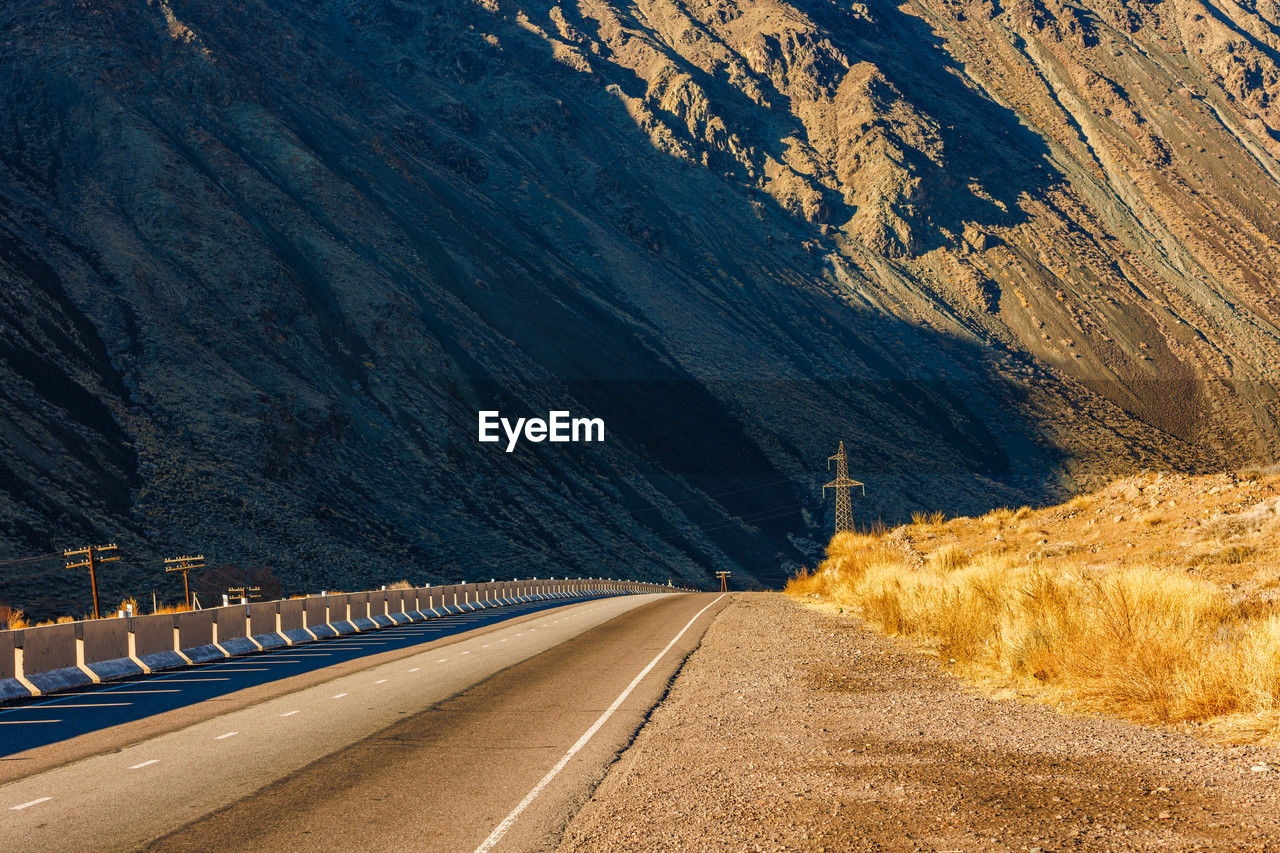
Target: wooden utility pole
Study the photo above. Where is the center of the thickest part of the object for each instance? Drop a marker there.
(92, 557)
(246, 593)
(724, 580)
(185, 565)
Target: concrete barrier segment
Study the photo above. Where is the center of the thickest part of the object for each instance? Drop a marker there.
(158, 661)
(12, 688)
(239, 646)
(298, 636)
(55, 680)
(114, 670)
(269, 641)
(204, 654)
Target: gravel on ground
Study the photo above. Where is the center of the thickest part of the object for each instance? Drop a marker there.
(792, 729)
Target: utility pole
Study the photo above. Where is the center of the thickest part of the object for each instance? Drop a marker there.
(724, 580)
(185, 565)
(246, 593)
(92, 557)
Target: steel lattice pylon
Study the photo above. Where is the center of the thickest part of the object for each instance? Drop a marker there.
(844, 506)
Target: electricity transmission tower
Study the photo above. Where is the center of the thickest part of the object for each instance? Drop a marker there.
(184, 565)
(92, 557)
(844, 506)
(724, 580)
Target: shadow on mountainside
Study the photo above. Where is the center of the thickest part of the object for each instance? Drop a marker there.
(323, 238)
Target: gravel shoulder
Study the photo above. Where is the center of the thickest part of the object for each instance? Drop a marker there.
(793, 729)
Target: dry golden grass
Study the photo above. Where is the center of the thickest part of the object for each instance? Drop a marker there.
(13, 618)
(928, 518)
(1152, 644)
(171, 608)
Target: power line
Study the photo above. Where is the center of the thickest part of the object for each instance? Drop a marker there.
(706, 496)
(20, 560)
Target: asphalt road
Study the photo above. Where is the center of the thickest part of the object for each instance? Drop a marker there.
(44, 721)
(425, 747)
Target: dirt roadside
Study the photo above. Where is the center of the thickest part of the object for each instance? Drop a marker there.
(792, 730)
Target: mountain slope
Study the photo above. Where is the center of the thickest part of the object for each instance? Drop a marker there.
(264, 261)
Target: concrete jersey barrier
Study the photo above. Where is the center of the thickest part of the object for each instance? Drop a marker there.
(54, 658)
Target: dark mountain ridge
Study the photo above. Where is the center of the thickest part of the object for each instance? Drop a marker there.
(262, 262)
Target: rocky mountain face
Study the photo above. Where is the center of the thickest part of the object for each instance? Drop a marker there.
(262, 261)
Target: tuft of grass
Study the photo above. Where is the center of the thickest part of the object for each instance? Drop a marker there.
(1137, 642)
(948, 558)
(998, 518)
(1235, 555)
(928, 519)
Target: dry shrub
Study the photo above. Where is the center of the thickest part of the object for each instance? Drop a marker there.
(12, 618)
(928, 519)
(400, 585)
(171, 608)
(1260, 517)
(1152, 646)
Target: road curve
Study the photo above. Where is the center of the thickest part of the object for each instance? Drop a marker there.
(425, 751)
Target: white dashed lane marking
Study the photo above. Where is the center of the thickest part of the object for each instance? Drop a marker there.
(288, 713)
(30, 804)
(66, 706)
(227, 735)
(145, 764)
(381, 681)
(116, 693)
(340, 695)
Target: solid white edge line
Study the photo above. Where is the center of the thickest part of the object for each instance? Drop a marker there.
(501, 829)
(25, 722)
(28, 805)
